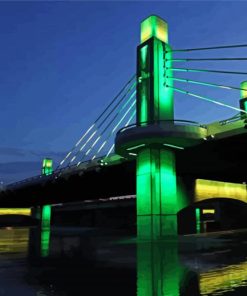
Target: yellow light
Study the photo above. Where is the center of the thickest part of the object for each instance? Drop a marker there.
(207, 189)
(208, 211)
(223, 279)
(15, 211)
(244, 89)
(153, 26)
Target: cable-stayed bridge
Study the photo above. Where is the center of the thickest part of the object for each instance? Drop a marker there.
(137, 146)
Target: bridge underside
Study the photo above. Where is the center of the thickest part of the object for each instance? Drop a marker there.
(222, 160)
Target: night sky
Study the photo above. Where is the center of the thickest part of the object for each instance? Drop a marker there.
(61, 63)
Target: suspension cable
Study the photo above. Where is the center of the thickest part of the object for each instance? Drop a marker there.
(206, 83)
(209, 48)
(116, 126)
(112, 132)
(94, 125)
(101, 134)
(206, 70)
(127, 123)
(95, 122)
(206, 59)
(205, 99)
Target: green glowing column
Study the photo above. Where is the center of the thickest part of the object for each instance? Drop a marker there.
(45, 221)
(198, 220)
(156, 193)
(156, 173)
(243, 96)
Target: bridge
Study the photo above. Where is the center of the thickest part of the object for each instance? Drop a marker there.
(137, 148)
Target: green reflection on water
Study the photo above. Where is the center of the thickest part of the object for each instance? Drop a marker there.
(158, 269)
(45, 231)
(160, 272)
(45, 242)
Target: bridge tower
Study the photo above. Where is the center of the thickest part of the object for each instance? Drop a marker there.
(156, 172)
(156, 137)
(243, 98)
(40, 238)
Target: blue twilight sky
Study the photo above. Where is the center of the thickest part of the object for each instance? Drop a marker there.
(62, 62)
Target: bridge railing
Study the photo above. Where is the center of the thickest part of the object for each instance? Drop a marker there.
(235, 118)
(162, 122)
(58, 173)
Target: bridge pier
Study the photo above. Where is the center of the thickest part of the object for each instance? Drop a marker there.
(156, 193)
(40, 237)
(243, 99)
(156, 173)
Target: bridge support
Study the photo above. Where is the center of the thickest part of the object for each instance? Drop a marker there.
(40, 237)
(243, 99)
(156, 172)
(156, 193)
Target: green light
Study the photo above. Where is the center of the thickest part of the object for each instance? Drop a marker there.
(243, 87)
(156, 193)
(156, 173)
(168, 182)
(153, 26)
(45, 242)
(198, 220)
(45, 230)
(46, 216)
(47, 168)
(154, 101)
(158, 270)
(163, 96)
(245, 105)
(144, 84)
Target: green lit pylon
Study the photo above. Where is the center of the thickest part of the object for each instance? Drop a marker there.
(243, 98)
(47, 169)
(156, 172)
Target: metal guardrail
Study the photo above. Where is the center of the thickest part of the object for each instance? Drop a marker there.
(160, 122)
(231, 119)
(58, 173)
(96, 161)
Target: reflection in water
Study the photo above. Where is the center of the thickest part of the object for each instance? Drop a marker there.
(223, 279)
(14, 240)
(160, 273)
(45, 231)
(45, 241)
(158, 269)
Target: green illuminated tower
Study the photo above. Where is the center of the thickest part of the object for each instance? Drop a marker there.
(156, 173)
(47, 168)
(156, 137)
(243, 97)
